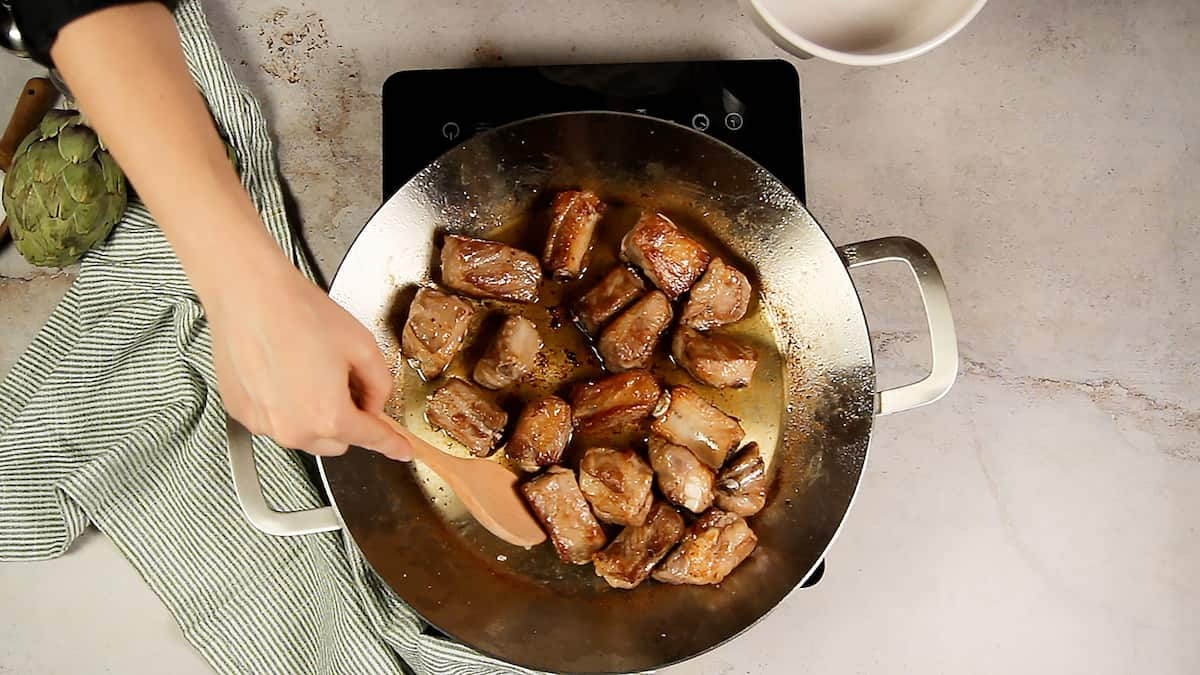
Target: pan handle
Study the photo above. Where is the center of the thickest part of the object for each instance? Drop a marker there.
(250, 494)
(942, 340)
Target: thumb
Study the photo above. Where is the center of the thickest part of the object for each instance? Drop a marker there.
(378, 433)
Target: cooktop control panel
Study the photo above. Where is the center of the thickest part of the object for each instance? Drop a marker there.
(753, 105)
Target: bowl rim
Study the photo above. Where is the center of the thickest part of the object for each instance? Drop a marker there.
(801, 46)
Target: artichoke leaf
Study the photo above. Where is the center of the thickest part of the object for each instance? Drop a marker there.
(89, 216)
(61, 246)
(15, 184)
(116, 208)
(114, 177)
(41, 160)
(84, 182)
(77, 144)
(39, 204)
(32, 136)
(55, 120)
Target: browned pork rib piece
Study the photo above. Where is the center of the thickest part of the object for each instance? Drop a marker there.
(714, 359)
(668, 257)
(682, 478)
(629, 341)
(614, 292)
(573, 219)
(615, 403)
(627, 561)
(742, 486)
(618, 484)
(699, 426)
(489, 269)
(713, 546)
(510, 355)
(557, 502)
(721, 296)
(434, 330)
(467, 414)
(542, 433)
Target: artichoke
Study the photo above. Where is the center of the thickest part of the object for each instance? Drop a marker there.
(63, 193)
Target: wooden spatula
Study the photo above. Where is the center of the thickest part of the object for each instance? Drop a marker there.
(487, 489)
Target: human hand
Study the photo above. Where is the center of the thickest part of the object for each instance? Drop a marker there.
(290, 363)
(295, 366)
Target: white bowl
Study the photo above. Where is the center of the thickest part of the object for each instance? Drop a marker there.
(861, 32)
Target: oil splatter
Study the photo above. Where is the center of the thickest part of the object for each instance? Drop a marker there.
(292, 41)
(327, 152)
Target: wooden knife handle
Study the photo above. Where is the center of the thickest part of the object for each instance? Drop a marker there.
(37, 97)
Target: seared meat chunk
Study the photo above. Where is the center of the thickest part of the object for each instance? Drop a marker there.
(614, 403)
(668, 257)
(617, 483)
(542, 433)
(721, 296)
(714, 359)
(556, 500)
(489, 269)
(629, 341)
(613, 293)
(572, 223)
(434, 330)
(713, 546)
(627, 561)
(683, 479)
(467, 414)
(699, 426)
(511, 355)
(742, 486)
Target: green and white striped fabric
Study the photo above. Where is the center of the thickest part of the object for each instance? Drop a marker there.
(112, 418)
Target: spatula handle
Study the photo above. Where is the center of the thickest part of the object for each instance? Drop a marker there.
(36, 98)
(422, 449)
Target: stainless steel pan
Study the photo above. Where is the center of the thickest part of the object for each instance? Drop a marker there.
(524, 606)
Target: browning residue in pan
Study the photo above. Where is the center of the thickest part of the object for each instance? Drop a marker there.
(568, 358)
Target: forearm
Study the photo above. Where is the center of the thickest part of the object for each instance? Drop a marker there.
(126, 68)
(289, 361)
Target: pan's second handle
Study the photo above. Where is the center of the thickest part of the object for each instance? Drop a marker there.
(254, 504)
(942, 340)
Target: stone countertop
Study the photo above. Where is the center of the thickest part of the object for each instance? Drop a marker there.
(1043, 517)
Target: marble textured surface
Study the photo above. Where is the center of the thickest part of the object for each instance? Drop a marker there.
(1044, 517)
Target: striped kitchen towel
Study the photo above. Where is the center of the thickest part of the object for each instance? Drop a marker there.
(112, 418)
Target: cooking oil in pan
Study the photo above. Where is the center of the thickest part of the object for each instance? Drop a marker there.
(569, 356)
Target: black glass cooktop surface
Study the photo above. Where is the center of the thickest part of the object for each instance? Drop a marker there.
(753, 105)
